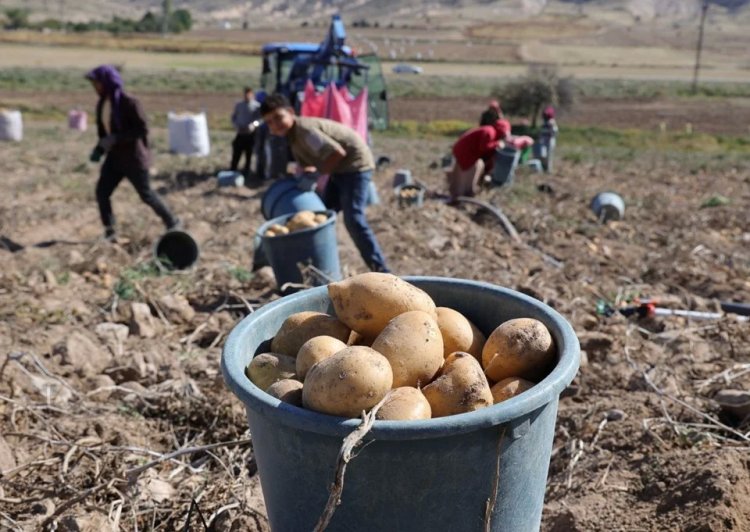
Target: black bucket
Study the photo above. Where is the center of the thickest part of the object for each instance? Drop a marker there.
(176, 250)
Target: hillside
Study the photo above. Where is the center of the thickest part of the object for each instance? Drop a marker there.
(260, 12)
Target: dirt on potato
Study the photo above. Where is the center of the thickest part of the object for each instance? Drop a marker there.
(98, 392)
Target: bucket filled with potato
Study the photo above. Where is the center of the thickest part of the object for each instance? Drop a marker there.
(463, 378)
(293, 241)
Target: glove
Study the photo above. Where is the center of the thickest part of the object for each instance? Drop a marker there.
(107, 142)
(308, 181)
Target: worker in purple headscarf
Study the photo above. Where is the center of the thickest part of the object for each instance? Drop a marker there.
(124, 140)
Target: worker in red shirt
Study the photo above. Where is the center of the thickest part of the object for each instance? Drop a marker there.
(474, 155)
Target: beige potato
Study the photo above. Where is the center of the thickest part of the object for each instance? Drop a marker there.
(298, 328)
(287, 390)
(267, 368)
(522, 347)
(358, 339)
(510, 387)
(414, 347)
(270, 232)
(300, 225)
(405, 403)
(302, 215)
(459, 334)
(347, 383)
(367, 302)
(315, 350)
(320, 218)
(461, 387)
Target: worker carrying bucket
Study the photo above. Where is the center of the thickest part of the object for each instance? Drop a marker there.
(322, 146)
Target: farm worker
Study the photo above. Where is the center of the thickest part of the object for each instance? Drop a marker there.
(474, 155)
(322, 146)
(124, 139)
(245, 119)
(548, 118)
(491, 115)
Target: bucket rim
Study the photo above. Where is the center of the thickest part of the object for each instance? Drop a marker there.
(171, 232)
(285, 217)
(540, 395)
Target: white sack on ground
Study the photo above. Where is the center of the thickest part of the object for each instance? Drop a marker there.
(188, 134)
(11, 125)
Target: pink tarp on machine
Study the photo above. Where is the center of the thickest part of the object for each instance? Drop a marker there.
(336, 104)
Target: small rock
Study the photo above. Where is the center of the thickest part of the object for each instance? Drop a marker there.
(50, 278)
(75, 257)
(596, 344)
(102, 384)
(79, 351)
(177, 308)
(7, 460)
(142, 323)
(584, 359)
(68, 524)
(589, 322)
(113, 335)
(616, 415)
(265, 277)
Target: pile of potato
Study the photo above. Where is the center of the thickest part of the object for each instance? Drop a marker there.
(389, 339)
(301, 220)
(409, 193)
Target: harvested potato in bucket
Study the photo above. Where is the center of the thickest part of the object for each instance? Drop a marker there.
(301, 220)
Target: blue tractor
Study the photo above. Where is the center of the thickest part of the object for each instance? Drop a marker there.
(288, 66)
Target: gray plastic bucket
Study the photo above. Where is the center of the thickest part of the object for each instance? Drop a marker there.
(283, 197)
(316, 246)
(608, 206)
(425, 475)
(176, 250)
(506, 161)
(402, 177)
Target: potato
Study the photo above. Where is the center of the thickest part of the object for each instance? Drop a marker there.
(269, 232)
(510, 387)
(320, 218)
(461, 387)
(267, 368)
(282, 230)
(315, 350)
(358, 339)
(522, 347)
(302, 215)
(405, 403)
(298, 328)
(413, 345)
(345, 384)
(459, 334)
(367, 302)
(300, 225)
(287, 390)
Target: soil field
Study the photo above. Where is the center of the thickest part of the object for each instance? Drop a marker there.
(730, 117)
(96, 390)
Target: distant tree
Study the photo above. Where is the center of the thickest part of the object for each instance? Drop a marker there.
(18, 18)
(149, 23)
(180, 20)
(541, 86)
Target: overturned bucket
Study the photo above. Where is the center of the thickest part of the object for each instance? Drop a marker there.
(176, 250)
(608, 206)
(283, 197)
(289, 254)
(426, 475)
(229, 178)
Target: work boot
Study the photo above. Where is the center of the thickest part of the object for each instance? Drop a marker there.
(110, 235)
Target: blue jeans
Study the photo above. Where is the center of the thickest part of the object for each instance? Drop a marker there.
(348, 192)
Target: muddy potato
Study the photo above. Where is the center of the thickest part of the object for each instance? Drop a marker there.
(267, 368)
(315, 350)
(358, 339)
(367, 302)
(287, 390)
(414, 347)
(405, 403)
(298, 328)
(345, 384)
(461, 387)
(459, 334)
(510, 387)
(522, 347)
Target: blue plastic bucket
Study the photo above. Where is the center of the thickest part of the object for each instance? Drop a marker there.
(176, 250)
(316, 246)
(608, 206)
(229, 178)
(283, 197)
(425, 475)
(506, 161)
